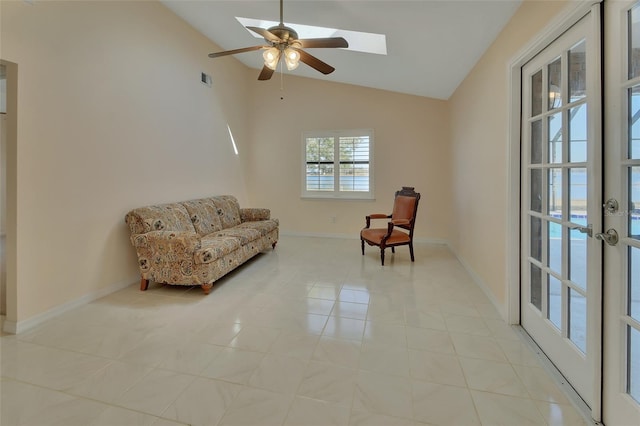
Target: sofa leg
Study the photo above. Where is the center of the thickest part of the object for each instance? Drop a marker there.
(206, 287)
(273, 246)
(144, 284)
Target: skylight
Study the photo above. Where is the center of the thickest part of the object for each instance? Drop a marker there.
(358, 41)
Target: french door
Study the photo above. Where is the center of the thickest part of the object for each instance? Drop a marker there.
(580, 209)
(561, 197)
(621, 380)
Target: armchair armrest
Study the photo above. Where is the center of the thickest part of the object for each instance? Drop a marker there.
(254, 214)
(375, 216)
(379, 216)
(400, 222)
(168, 241)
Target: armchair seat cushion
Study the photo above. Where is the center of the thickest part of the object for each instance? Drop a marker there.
(375, 236)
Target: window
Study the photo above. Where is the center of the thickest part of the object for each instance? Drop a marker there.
(338, 164)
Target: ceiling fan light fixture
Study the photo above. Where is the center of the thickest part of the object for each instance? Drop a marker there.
(283, 43)
(271, 57)
(291, 58)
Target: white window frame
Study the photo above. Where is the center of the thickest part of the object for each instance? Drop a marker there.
(337, 193)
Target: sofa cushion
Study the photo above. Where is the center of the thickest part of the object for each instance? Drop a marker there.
(204, 215)
(214, 247)
(244, 235)
(228, 210)
(162, 217)
(262, 226)
(253, 214)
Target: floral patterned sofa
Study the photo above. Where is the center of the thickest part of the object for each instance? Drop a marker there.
(196, 242)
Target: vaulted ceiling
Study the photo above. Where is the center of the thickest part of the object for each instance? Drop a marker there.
(431, 45)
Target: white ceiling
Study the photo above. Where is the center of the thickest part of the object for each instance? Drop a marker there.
(431, 44)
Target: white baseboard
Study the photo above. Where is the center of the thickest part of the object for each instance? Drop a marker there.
(317, 235)
(480, 282)
(431, 241)
(17, 327)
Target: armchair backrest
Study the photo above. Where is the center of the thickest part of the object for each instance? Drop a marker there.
(405, 206)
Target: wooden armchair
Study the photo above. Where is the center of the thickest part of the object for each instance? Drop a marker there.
(405, 207)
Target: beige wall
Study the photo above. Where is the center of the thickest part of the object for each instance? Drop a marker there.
(111, 116)
(411, 149)
(480, 146)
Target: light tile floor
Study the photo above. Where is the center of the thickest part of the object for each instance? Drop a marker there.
(312, 333)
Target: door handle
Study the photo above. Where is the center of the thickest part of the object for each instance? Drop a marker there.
(610, 236)
(584, 229)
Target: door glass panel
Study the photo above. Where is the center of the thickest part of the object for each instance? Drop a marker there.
(578, 195)
(536, 287)
(555, 247)
(578, 134)
(555, 301)
(577, 72)
(634, 283)
(555, 138)
(634, 123)
(536, 190)
(536, 238)
(577, 258)
(634, 202)
(536, 142)
(578, 319)
(633, 361)
(555, 193)
(536, 94)
(554, 70)
(634, 42)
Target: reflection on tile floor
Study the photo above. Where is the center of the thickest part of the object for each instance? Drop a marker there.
(312, 333)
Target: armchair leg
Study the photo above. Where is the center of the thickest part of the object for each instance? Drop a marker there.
(362, 245)
(144, 284)
(393, 249)
(411, 251)
(382, 256)
(206, 287)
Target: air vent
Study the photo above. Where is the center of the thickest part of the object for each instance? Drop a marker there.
(205, 79)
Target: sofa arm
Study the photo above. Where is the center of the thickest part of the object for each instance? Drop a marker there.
(168, 241)
(254, 214)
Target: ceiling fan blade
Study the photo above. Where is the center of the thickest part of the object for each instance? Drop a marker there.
(311, 43)
(268, 35)
(234, 51)
(315, 63)
(266, 73)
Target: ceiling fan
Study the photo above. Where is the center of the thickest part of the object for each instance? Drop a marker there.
(283, 42)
